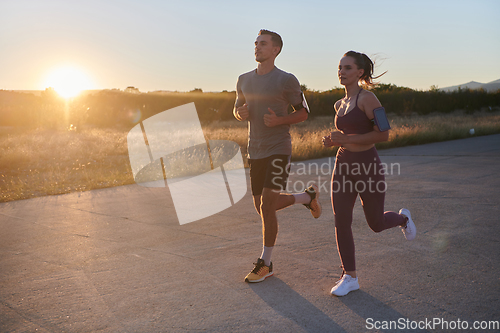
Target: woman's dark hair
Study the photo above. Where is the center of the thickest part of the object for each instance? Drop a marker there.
(363, 62)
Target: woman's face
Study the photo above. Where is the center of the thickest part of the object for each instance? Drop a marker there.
(348, 71)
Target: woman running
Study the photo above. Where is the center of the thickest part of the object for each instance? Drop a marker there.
(358, 169)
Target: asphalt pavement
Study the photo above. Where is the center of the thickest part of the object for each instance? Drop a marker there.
(117, 260)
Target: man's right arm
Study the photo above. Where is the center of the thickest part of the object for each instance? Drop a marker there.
(240, 112)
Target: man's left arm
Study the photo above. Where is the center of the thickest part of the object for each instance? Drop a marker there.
(297, 116)
(299, 104)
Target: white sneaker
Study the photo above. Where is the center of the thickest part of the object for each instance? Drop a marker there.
(409, 230)
(345, 285)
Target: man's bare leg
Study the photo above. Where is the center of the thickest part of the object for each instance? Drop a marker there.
(269, 205)
(266, 206)
(285, 200)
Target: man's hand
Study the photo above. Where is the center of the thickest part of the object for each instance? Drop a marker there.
(241, 113)
(271, 119)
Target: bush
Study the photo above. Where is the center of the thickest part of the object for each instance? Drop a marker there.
(115, 108)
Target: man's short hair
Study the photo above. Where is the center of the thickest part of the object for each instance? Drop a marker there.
(275, 38)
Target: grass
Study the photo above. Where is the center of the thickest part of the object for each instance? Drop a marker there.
(419, 130)
(405, 131)
(46, 162)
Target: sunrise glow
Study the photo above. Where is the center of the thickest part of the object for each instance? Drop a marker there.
(68, 81)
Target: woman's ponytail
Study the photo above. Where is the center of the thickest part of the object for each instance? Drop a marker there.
(364, 62)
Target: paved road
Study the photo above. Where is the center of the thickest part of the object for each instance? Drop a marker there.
(116, 260)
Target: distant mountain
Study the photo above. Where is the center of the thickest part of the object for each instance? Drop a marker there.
(490, 86)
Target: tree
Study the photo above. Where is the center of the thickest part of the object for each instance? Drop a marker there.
(132, 90)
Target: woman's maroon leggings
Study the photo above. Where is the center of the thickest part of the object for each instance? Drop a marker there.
(359, 173)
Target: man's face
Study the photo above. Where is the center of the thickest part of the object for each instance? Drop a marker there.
(264, 48)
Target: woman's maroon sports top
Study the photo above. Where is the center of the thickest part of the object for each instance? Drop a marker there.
(354, 122)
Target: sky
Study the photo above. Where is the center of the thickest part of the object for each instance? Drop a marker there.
(183, 45)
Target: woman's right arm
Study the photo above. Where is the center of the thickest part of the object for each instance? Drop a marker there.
(327, 141)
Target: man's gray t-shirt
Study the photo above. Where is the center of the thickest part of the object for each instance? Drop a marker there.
(275, 90)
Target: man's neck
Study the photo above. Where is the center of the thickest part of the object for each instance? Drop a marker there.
(265, 67)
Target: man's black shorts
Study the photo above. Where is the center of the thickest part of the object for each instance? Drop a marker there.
(270, 172)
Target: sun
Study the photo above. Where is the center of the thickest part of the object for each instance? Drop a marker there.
(68, 81)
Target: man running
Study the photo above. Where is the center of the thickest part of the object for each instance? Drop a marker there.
(262, 97)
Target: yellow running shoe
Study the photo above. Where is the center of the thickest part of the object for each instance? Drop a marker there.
(314, 206)
(260, 272)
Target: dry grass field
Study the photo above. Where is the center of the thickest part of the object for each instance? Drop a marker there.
(46, 162)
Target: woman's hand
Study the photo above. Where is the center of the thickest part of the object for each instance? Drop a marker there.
(327, 142)
(339, 138)
(335, 139)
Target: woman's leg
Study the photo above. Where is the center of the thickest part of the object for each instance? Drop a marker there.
(343, 199)
(373, 195)
(378, 220)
